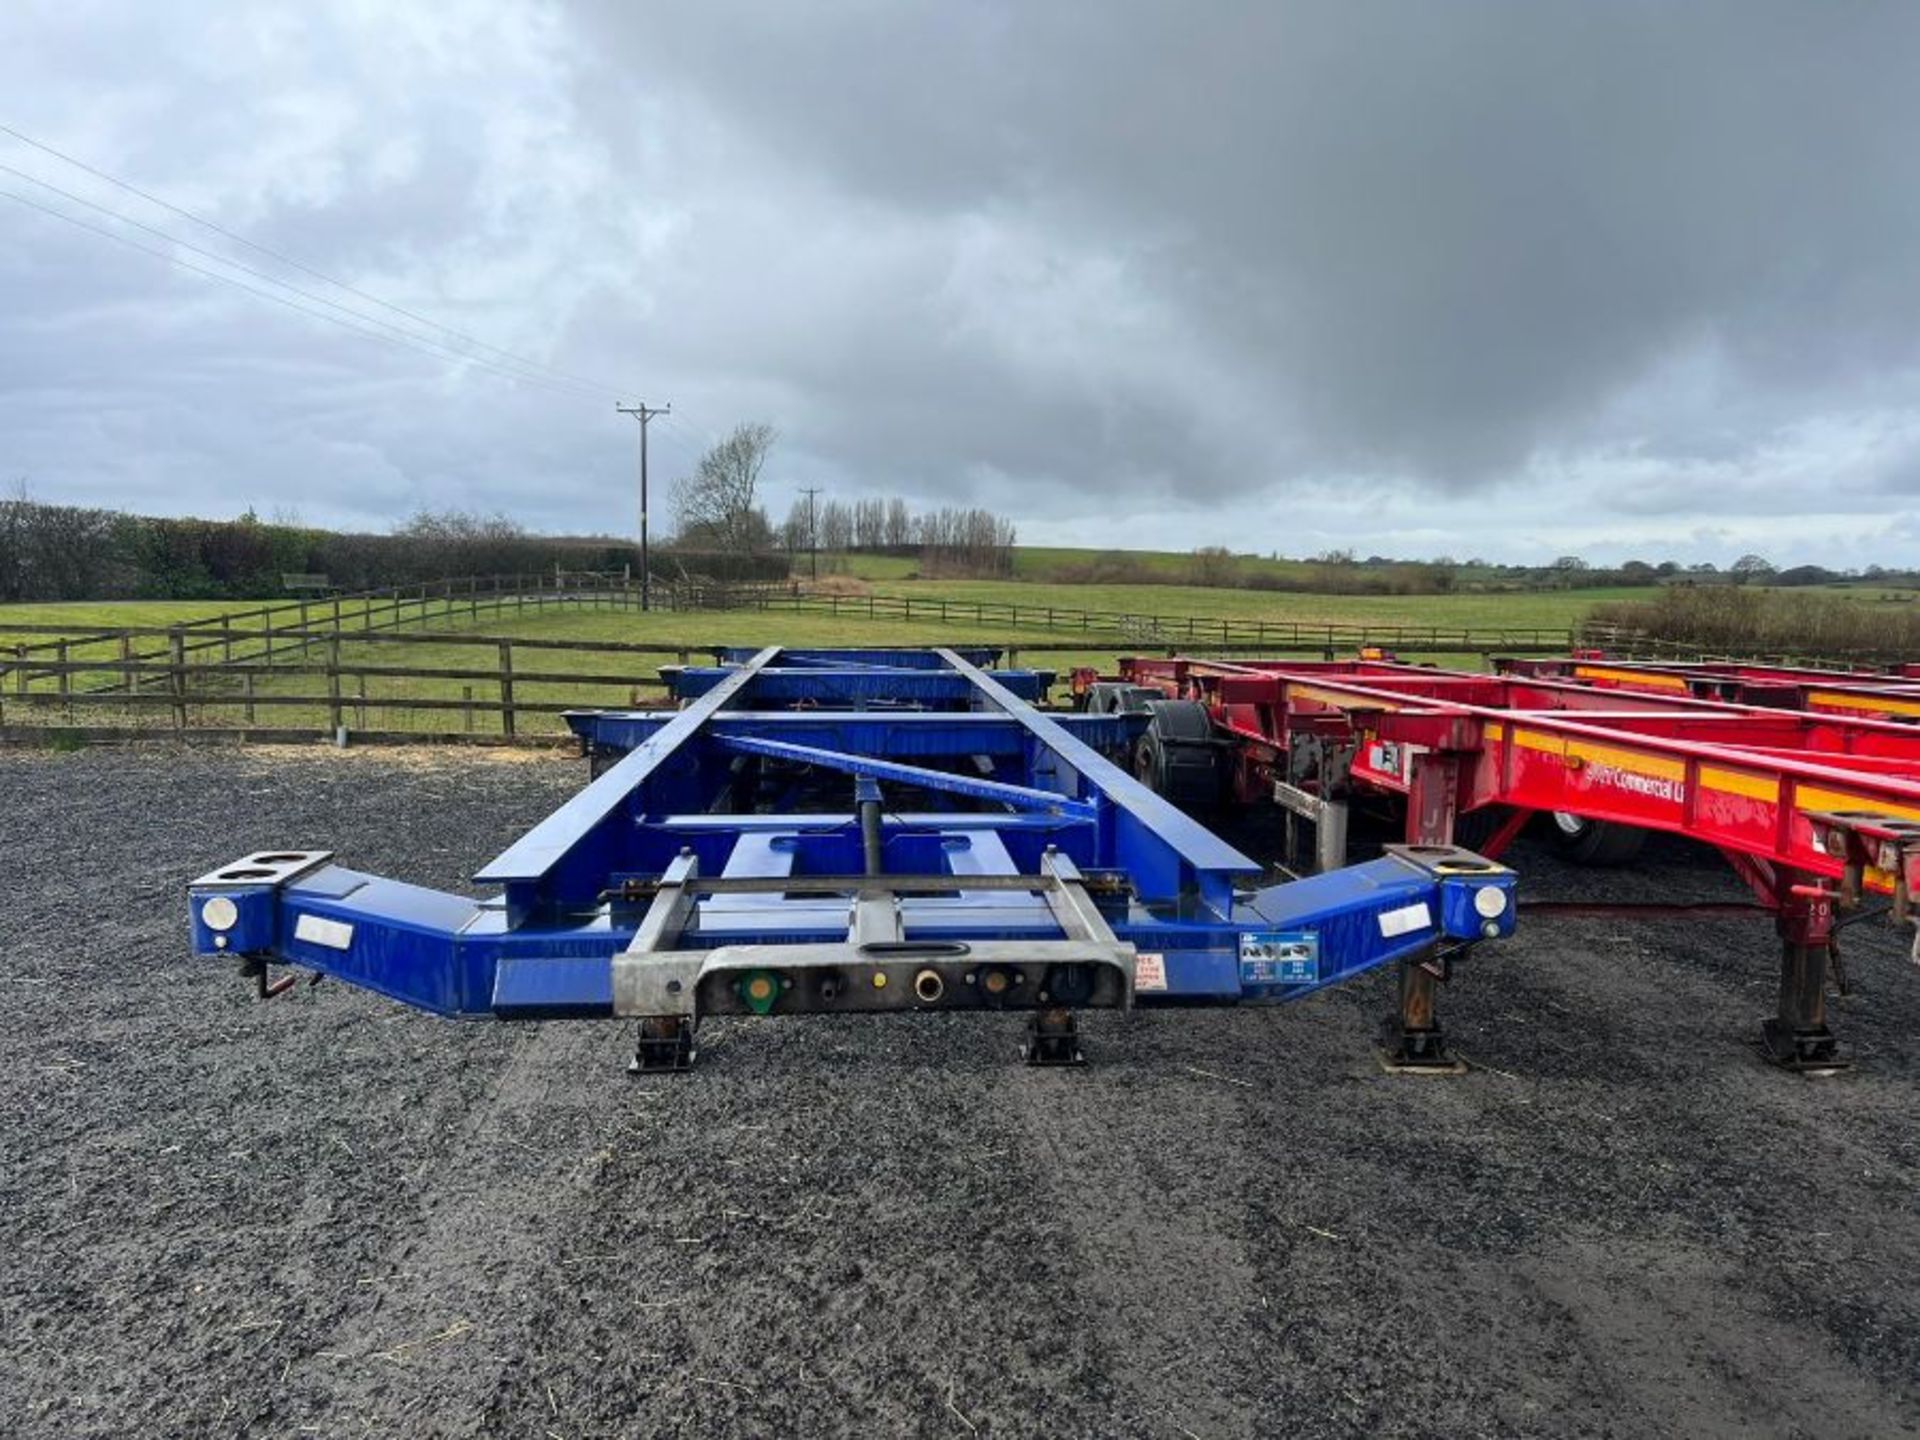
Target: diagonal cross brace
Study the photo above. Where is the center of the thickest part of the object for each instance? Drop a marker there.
(1020, 797)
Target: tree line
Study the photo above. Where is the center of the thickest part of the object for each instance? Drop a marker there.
(718, 509)
(1791, 622)
(950, 541)
(69, 552)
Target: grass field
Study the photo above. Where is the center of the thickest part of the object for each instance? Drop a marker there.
(631, 677)
(1039, 562)
(1560, 607)
(1547, 608)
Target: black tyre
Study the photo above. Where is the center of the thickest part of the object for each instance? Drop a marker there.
(1178, 757)
(1595, 842)
(1475, 828)
(1107, 697)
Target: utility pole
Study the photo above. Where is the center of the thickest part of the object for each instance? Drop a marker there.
(644, 413)
(813, 530)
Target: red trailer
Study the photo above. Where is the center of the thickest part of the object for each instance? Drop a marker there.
(1863, 694)
(1813, 804)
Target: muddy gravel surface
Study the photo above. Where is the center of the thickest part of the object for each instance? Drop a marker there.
(328, 1215)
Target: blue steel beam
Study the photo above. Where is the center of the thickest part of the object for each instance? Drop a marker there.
(902, 659)
(847, 687)
(525, 866)
(1019, 797)
(893, 734)
(1170, 855)
(458, 957)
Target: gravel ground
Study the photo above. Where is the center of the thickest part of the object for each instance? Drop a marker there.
(330, 1215)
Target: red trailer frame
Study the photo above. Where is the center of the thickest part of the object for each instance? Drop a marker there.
(1812, 806)
(1861, 694)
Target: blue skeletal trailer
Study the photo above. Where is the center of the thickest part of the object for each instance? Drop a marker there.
(820, 831)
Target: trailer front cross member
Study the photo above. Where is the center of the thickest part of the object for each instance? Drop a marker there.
(807, 838)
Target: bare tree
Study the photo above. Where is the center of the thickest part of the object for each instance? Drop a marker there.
(1213, 565)
(715, 505)
(797, 532)
(899, 525)
(869, 523)
(836, 527)
(965, 542)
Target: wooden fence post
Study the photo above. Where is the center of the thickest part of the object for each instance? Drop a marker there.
(506, 687)
(246, 684)
(333, 685)
(177, 675)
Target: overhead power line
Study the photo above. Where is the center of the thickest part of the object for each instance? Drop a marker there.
(276, 298)
(424, 343)
(600, 389)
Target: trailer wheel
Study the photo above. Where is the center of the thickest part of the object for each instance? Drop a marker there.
(1474, 828)
(1596, 842)
(1177, 756)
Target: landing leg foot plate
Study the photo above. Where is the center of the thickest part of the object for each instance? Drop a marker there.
(1808, 1052)
(1408, 1051)
(665, 1046)
(1053, 1038)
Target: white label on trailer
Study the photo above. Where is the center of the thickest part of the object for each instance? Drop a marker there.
(334, 934)
(1405, 920)
(1149, 972)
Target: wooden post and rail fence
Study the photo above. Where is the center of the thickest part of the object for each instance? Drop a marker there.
(287, 661)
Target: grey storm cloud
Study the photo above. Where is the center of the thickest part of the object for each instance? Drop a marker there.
(1477, 278)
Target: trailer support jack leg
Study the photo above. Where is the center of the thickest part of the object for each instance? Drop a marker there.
(1053, 1038)
(1411, 1041)
(665, 1046)
(1798, 1038)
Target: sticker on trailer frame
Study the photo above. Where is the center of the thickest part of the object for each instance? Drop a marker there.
(1405, 920)
(317, 930)
(1390, 759)
(1279, 957)
(1149, 972)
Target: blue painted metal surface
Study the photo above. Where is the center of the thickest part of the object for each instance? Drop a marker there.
(736, 820)
(1016, 797)
(894, 734)
(855, 687)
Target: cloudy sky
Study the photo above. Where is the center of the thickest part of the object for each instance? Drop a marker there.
(1501, 279)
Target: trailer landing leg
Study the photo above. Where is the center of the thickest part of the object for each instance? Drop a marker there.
(665, 1046)
(1053, 1038)
(1411, 1041)
(1798, 1038)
